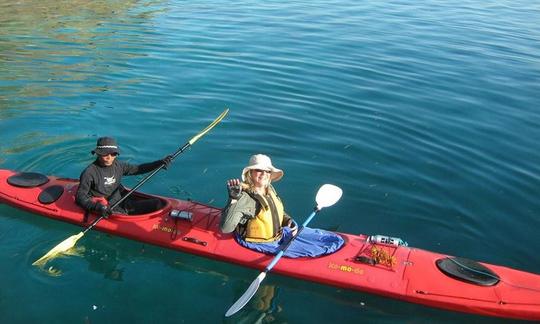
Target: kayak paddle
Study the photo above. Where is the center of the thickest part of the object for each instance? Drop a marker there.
(326, 196)
(72, 240)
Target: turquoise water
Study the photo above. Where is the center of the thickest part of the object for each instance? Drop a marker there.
(426, 114)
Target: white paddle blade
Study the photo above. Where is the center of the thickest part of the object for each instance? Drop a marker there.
(328, 195)
(246, 297)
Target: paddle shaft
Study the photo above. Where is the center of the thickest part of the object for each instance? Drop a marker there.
(286, 246)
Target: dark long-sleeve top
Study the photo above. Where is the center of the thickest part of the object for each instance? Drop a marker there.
(105, 181)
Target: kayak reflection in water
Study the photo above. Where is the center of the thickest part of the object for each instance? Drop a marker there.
(100, 183)
(257, 216)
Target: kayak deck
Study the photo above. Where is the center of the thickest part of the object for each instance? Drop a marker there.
(400, 272)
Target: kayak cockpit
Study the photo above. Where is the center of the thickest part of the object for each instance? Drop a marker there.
(138, 204)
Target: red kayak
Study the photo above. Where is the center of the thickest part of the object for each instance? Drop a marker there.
(376, 265)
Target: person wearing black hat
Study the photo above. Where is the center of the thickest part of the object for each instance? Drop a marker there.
(100, 183)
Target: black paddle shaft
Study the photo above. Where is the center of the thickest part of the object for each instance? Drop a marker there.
(143, 181)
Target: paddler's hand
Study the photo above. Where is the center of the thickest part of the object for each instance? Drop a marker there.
(166, 161)
(293, 226)
(235, 188)
(104, 211)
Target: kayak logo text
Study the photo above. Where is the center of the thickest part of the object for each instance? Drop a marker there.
(162, 228)
(345, 268)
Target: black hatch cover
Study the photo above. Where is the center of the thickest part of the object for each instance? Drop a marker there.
(27, 179)
(50, 194)
(467, 270)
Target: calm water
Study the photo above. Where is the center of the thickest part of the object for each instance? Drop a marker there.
(426, 114)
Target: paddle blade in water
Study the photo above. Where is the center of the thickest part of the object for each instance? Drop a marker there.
(246, 297)
(60, 248)
(328, 195)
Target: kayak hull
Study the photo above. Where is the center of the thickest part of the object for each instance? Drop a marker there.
(401, 272)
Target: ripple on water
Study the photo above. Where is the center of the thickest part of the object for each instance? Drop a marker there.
(51, 155)
(56, 271)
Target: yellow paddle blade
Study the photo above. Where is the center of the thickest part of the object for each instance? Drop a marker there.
(209, 127)
(60, 248)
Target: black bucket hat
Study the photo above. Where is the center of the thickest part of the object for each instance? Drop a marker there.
(106, 145)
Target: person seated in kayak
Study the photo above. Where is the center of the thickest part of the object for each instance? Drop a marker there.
(100, 184)
(256, 214)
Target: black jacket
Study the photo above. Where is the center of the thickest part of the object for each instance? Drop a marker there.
(105, 181)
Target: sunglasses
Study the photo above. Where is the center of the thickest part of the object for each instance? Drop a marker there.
(264, 171)
(111, 154)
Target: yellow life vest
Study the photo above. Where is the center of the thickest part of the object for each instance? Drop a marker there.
(266, 225)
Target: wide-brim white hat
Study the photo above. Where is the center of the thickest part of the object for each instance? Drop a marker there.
(262, 162)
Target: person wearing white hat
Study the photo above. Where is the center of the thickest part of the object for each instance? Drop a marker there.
(100, 183)
(257, 216)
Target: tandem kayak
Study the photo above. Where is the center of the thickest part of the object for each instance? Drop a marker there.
(377, 265)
